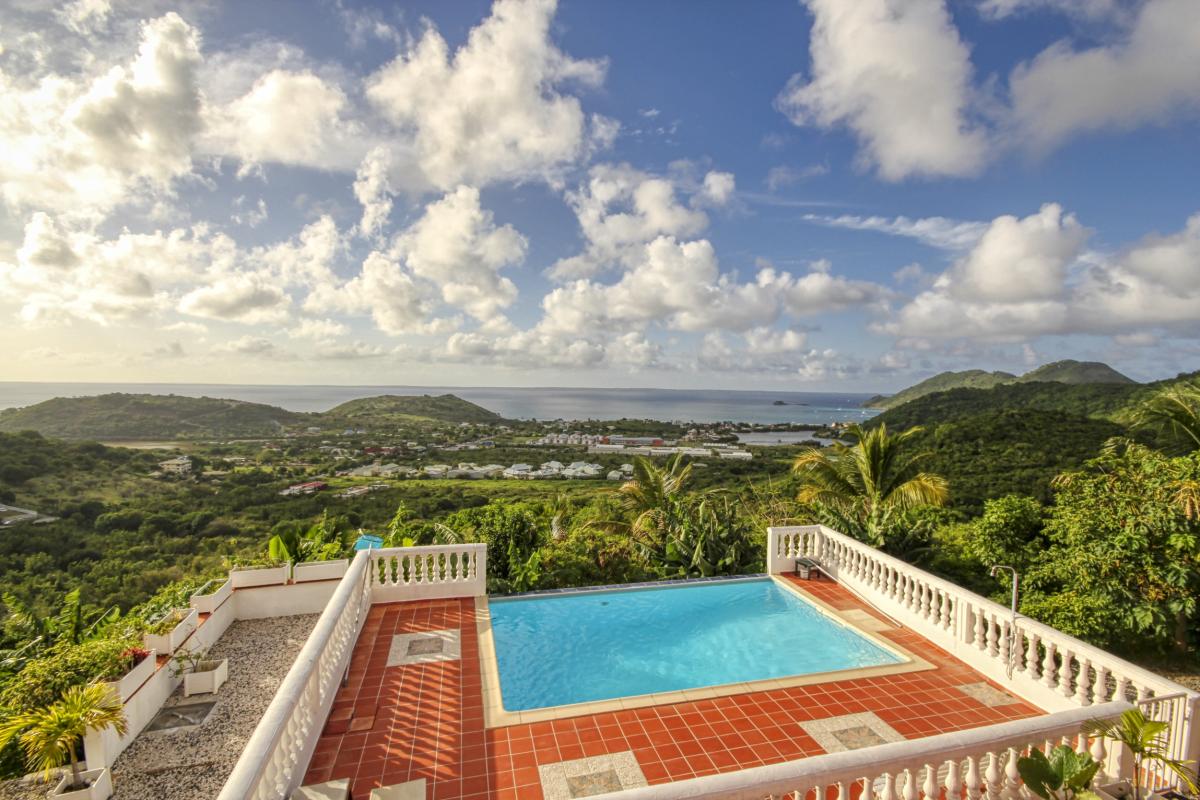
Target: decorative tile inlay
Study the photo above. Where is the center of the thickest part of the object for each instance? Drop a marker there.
(987, 694)
(866, 620)
(851, 732)
(585, 777)
(183, 715)
(424, 648)
(593, 783)
(859, 737)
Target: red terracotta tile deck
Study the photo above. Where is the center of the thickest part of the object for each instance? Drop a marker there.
(426, 720)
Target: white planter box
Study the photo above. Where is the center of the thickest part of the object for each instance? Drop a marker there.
(208, 603)
(207, 678)
(319, 570)
(99, 789)
(131, 681)
(168, 643)
(259, 576)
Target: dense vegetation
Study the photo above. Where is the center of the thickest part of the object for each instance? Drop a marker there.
(1065, 372)
(1091, 492)
(150, 417)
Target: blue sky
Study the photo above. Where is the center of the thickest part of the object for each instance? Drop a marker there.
(785, 195)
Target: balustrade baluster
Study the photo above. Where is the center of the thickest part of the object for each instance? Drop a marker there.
(888, 791)
(980, 629)
(1012, 783)
(993, 635)
(992, 776)
(1066, 673)
(1083, 692)
(930, 787)
(1049, 667)
(910, 785)
(973, 779)
(1100, 755)
(1031, 656)
(953, 780)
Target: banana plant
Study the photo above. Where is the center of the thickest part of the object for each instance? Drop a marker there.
(1065, 775)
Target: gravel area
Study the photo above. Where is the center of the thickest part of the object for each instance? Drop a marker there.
(26, 789)
(192, 762)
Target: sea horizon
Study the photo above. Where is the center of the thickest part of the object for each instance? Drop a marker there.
(759, 406)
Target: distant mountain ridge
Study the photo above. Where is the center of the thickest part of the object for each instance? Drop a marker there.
(1066, 371)
(149, 417)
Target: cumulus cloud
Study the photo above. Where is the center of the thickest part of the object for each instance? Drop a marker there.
(495, 109)
(83, 146)
(287, 117)
(317, 329)
(896, 73)
(1031, 277)
(1150, 75)
(620, 209)
(240, 298)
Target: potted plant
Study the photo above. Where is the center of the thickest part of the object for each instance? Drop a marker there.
(168, 632)
(134, 668)
(210, 595)
(1142, 737)
(201, 674)
(50, 737)
(259, 572)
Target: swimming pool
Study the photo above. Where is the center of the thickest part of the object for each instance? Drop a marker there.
(580, 647)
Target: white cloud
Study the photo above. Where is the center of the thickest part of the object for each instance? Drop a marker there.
(781, 176)
(1020, 260)
(782, 355)
(287, 118)
(372, 188)
(83, 146)
(940, 232)
(1087, 9)
(317, 329)
(85, 16)
(457, 246)
(1030, 277)
(249, 345)
(620, 209)
(494, 109)
(718, 188)
(897, 74)
(241, 298)
(679, 286)
(1149, 76)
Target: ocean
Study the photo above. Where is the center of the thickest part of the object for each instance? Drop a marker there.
(668, 405)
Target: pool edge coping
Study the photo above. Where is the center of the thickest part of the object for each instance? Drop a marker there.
(496, 716)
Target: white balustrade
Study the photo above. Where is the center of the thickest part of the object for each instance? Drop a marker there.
(273, 763)
(425, 573)
(980, 763)
(1049, 668)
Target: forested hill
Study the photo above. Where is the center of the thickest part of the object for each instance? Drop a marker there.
(1067, 371)
(1075, 372)
(391, 407)
(1014, 438)
(147, 416)
(942, 382)
(151, 417)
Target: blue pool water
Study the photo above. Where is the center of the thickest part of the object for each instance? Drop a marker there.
(577, 647)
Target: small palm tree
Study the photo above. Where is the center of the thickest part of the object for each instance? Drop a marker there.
(1175, 412)
(50, 736)
(866, 486)
(1143, 738)
(647, 496)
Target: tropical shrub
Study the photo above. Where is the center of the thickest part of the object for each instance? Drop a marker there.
(1065, 775)
(44, 679)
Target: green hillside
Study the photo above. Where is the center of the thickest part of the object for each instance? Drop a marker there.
(942, 382)
(1075, 372)
(147, 416)
(401, 408)
(1067, 371)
